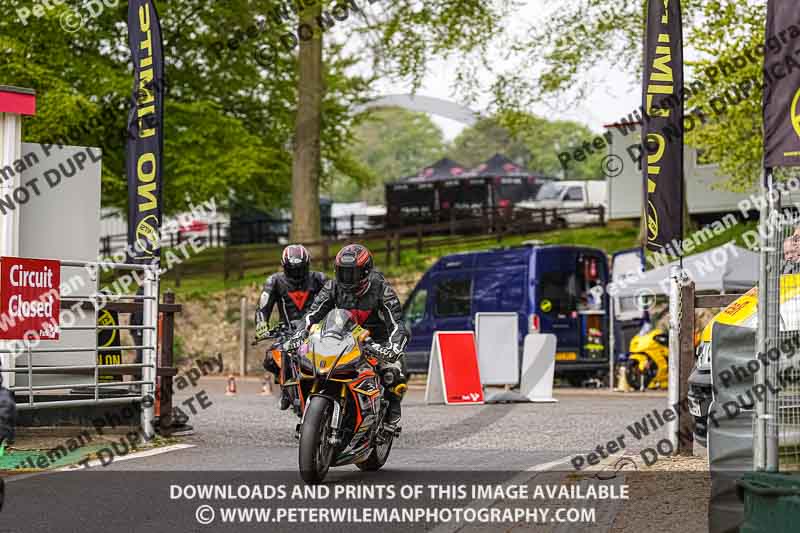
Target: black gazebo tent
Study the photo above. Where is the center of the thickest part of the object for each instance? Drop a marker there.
(510, 183)
(414, 199)
(444, 190)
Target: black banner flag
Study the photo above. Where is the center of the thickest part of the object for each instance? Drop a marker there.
(145, 132)
(662, 131)
(781, 88)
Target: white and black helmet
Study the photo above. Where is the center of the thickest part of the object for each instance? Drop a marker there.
(296, 262)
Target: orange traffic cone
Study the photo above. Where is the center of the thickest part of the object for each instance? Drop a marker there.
(266, 386)
(230, 390)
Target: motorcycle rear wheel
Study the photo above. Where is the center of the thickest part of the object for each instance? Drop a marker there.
(316, 452)
(378, 457)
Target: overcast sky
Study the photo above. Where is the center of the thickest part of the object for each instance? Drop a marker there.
(615, 96)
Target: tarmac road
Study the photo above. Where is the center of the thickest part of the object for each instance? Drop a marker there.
(249, 432)
(246, 440)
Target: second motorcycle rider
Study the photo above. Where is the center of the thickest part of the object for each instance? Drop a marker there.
(292, 291)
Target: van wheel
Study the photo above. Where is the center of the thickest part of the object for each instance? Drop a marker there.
(576, 380)
(560, 223)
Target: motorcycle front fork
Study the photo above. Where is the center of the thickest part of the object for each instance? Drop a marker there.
(336, 417)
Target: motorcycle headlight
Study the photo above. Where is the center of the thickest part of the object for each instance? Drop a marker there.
(323, 366)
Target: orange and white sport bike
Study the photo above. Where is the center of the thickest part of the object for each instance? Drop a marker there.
(342, 398)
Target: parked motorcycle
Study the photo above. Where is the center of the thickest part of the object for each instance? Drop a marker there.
(341, 398)
(648, 360)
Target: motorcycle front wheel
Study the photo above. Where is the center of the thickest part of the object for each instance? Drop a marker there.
(638, 379)
(316, 451)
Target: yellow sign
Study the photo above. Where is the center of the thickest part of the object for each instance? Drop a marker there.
(546, 306)
(566, 356)
(108, 338)
(795, 117)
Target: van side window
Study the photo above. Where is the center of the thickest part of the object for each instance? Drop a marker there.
(453, 298)
(415, 309)
(560, 289)
(574, 194)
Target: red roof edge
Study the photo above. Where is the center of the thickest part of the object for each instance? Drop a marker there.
(17, 100)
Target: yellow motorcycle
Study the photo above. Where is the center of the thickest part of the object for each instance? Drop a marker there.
(648, 360)
(342, 399)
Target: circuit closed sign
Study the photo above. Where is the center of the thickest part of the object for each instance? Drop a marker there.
(30, 300)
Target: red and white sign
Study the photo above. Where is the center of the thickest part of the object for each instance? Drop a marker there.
(30, 298)
(453, 374)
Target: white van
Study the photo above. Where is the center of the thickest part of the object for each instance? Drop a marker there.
(568, 196)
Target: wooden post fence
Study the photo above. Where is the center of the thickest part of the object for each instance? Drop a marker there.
(685, 365)
(325, 255)
(166, 362)
(397, 249)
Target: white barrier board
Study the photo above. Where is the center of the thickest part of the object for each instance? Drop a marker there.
(538, 367)
(496, 335)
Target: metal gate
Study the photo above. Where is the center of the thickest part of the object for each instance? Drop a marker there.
(141, 390)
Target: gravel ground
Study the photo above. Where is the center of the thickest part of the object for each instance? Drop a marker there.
(676, 491)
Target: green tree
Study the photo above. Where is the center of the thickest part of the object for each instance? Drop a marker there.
(391, 143)
(231, 89)
(400, 41)
(722, 36)
(532, 141)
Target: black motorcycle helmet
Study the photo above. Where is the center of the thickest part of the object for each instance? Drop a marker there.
(296, 262)
(353, 265)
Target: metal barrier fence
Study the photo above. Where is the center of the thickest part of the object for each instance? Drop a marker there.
(777, 423)
(96, 301)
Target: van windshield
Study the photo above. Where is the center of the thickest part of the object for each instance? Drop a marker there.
(560, 289)
(549, 191)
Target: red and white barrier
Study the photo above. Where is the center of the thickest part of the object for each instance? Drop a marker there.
(453, 373)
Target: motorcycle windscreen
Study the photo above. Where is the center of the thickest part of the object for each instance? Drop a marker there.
(338, 324)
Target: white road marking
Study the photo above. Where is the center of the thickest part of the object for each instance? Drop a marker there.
(135, 455)
(96, 462)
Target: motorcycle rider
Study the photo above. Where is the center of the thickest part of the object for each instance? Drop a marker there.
(374, 305)
(293, 291)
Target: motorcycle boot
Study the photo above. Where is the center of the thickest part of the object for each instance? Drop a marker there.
(395, 382)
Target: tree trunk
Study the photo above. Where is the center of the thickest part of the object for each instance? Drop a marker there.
(307, 165)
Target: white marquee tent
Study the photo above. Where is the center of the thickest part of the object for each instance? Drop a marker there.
(726, 269)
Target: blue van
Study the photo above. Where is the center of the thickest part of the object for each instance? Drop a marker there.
(553, 289)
